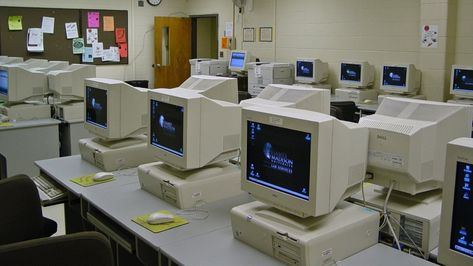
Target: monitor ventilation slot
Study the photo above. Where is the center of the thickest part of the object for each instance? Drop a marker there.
(398, 128)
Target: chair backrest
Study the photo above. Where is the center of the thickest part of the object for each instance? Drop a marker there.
(85, 248)
(21, 217)
(3, 166)
(345, 110)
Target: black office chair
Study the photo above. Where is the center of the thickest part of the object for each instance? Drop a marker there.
(21, 215)
(243, 95)
(25, 233)
(3, 167)
(345, 110)
(79, 249)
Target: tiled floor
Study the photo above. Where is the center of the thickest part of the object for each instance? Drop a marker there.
(56, 212)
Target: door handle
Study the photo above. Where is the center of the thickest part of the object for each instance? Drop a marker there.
(156, 65)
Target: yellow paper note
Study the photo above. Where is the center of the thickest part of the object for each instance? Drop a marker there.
(15, 23)
(6, 124)
(87, 180)
(108, 23)
(156, 228)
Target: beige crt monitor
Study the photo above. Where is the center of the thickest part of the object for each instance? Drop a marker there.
(356, 74)
(456, 225)
(301, 162)
(311, 99)
(188, 130)
(299, 166)
(116, 113)
(311, 71)
(114, 109)
(408, 140)
(68, 83)
(400, 79)
(213, 87)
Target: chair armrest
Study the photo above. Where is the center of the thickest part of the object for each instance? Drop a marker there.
(85, 248)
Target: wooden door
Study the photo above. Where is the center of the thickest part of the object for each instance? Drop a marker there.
(172, 42)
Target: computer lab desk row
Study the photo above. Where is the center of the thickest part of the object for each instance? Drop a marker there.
(109, 208)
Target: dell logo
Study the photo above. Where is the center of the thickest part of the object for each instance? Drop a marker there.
(381, 137)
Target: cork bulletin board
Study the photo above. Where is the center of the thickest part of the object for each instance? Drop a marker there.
(56, 45)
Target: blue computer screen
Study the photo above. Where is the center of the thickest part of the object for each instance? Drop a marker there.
(394, 76)
(237, 60)
(167, 127)
(3, 82)
(96, 106)
(279, 158)
(350, 72)
(461, 237)
(305, 69)
(463, 79)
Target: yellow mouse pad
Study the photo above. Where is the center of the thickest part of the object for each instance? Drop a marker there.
(6, 124)
(156, 228)
(87, 180)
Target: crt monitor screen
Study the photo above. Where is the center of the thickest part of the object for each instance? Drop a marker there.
(463, 79)
(305, 69)
(96, 106)
(394, 76)
(279, 159)
(462, 224)
(4, 82)
(167, 127)
(350, 72)
(237, 60)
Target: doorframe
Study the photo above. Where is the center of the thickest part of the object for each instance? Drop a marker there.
(194, 32)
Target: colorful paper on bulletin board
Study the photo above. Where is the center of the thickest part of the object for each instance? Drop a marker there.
(71, 30)
(108, 23)
(78, 46)
(115, 52)
(156, 228)
(93, 19)
(15, 23)
(123, 47)
(88, 180)
(87, 55)
(97, 50)
(47, 25)
(120, 35)
(92, 36)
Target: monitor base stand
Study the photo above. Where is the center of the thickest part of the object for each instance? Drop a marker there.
(26, 111)
(356, 95)
(188, 189)
(117, 154)
(410, 96)
(321, 240)
(315, 85)
(70, 112)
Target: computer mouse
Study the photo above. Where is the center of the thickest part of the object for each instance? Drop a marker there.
(160, 218)
(102, 176)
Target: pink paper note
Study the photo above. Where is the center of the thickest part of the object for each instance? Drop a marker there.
(94, 19)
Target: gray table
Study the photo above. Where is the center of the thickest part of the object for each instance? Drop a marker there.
(28, 141)
(111, 206)
(61, 170)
